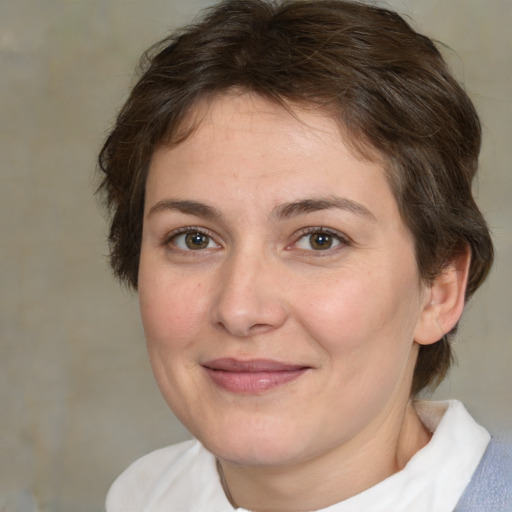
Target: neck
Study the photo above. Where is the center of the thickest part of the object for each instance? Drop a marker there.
(335, 476)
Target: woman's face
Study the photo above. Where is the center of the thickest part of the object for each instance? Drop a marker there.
(278, 285)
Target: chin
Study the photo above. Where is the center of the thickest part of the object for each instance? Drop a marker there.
(257, 444)
(259, 453)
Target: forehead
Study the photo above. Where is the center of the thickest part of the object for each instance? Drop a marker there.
(246, 152)
(232, 114)
(252, 108)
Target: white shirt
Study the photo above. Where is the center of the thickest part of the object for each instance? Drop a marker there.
(184, 478)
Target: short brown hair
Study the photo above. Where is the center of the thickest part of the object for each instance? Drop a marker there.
(388, 87)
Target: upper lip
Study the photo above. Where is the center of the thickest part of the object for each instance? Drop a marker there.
(229, 364)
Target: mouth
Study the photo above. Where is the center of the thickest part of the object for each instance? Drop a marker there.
(253, 376)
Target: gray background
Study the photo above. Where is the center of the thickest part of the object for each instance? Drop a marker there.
(77, 398)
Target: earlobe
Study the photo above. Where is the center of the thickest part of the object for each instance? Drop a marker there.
(444, 300)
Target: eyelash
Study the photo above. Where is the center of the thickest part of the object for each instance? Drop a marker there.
(342, 240)
(171, 237)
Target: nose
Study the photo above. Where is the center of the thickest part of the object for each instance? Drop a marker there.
(250, 298)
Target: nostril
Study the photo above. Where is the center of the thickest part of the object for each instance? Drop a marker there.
(245, 325)
(260, 327)
(242, 330)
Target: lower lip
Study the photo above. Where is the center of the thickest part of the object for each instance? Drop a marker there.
(253, 382)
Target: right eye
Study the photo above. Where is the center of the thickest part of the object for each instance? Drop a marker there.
(192, 240)
(318, 241)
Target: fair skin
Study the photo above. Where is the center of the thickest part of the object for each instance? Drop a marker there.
(282, 304)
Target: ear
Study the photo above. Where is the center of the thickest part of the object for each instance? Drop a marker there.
(444, 300)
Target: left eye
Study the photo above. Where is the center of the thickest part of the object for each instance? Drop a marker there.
(318, 241)
(193, 241)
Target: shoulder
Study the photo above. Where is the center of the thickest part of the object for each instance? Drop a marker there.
(137, 485)
(490, 488)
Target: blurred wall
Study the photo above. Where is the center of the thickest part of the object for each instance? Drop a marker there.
(77, 399)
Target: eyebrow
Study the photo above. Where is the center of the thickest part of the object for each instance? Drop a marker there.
(188, 207)
(304, 206)
(283, 211)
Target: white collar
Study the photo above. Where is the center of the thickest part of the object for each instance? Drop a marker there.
(183, 478)
(436, 476)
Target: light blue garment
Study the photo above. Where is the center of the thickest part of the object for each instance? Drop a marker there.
(490, 489)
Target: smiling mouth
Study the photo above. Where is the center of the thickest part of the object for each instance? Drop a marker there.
(253, 376)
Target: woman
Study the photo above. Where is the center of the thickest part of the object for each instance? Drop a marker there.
(290, 188)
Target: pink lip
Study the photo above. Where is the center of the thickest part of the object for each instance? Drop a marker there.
(253, 376)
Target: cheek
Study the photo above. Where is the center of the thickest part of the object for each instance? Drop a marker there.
(171, 312)
(362, 313)
(335, 309)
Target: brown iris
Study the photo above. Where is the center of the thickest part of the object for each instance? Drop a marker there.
(195, 241)
(319, 241)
